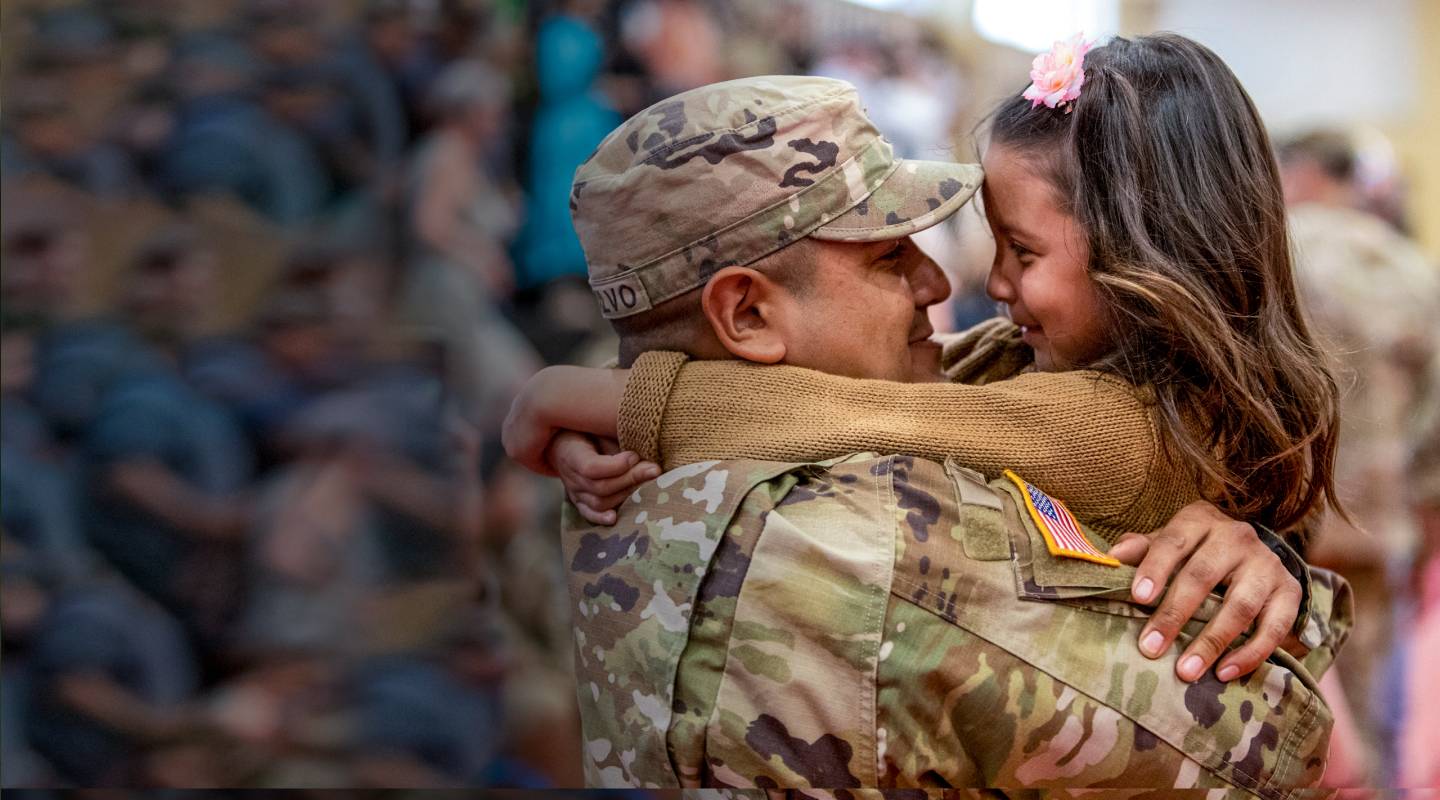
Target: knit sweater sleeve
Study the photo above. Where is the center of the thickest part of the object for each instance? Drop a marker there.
(1081, 436)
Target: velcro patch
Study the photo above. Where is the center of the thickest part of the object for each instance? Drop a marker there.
(1062, 532)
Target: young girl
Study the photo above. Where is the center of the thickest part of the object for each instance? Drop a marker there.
(1141, 250)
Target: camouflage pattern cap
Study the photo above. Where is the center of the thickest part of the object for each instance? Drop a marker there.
(728, 173)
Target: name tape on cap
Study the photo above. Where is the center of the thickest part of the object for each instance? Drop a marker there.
(621, 295)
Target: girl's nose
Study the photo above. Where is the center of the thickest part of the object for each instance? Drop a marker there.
(999, 287)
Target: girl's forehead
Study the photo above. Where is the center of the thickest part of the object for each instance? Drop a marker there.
(1016, 188)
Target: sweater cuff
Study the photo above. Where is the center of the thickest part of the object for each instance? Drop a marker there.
(647, 392)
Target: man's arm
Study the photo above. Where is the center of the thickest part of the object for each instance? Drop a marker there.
(96, 696)
(153, 487)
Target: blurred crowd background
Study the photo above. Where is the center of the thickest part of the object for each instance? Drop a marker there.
(273, 269)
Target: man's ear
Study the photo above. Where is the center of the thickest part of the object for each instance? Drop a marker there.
(743, 306)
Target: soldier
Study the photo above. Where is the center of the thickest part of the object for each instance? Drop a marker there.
(867, 621)
(1374, 296)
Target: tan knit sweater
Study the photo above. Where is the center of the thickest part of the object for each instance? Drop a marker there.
(1087, 438)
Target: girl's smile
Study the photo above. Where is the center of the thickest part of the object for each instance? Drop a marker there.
(1040, 269)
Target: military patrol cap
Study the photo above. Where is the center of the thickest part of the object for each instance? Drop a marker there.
(726, 174)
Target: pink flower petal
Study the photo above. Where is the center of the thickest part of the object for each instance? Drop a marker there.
(1056, 76)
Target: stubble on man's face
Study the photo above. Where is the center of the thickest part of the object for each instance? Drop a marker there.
(865, 313)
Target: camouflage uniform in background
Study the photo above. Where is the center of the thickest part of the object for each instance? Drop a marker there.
(1373, 297)
(888, 622)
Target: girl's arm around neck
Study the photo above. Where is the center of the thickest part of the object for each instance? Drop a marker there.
(562, 398)
(1081, 436)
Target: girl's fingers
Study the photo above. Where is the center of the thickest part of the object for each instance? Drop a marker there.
(1169, 548)
(604, 502)
(607, 445)
(1130, 548)
(621, 485)
(580, 453)
(595, 466)
(1198, 577)
(594, 516)
(1271, 629)
(1242, 605)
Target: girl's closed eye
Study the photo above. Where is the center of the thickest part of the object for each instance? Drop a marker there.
(1024, 254)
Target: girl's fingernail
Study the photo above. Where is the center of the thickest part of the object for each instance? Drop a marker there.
(1227, 672)
(1191, 668)
(1144, 589)
(1152, 642)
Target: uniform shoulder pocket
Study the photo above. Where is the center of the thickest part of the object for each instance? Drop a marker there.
(1062, 562)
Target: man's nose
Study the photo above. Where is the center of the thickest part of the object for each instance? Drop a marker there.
(929, 283)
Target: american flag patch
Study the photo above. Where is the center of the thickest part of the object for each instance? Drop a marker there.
(1062, 532)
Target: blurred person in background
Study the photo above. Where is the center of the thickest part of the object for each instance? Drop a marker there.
(1419, 699)
(23, 602)
(289, 360)
(313, 558)
(108, 674)
(306, 103)
(461, 217)
(307, 338)
(225, 141)
(37, 495)
(408, 465)
(165, 468)
(431, 720)
(311, 91)
(171, 296)
(79, 49)
(525, 573)
(43, 136)
(555, 306)
(1374, 298)
(679, 43)
(78, 354)
(369, 64)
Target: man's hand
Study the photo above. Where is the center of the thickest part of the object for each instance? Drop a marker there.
(594, 481)
(1209, 550)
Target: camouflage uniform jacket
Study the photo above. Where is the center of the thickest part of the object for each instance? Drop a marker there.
(891, 622)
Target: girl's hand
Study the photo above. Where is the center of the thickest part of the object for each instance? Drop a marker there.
(526, 434)
(595, 482)
(1199, 550)
(561, 398)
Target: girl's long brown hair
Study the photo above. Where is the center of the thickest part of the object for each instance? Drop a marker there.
(1166, 165)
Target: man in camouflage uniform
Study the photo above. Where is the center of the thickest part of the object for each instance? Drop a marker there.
(883, 621)
(1373, 297)
(869, 621)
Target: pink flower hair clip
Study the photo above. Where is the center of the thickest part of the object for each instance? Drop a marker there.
(1056, 76)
